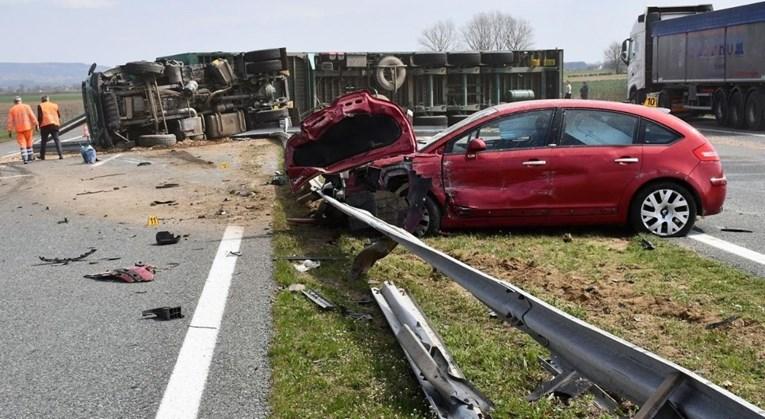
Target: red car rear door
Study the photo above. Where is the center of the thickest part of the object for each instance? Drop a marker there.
(511, 177)
(598, 156)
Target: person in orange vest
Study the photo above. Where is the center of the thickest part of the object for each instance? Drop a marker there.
(50, 119)
(22, 120)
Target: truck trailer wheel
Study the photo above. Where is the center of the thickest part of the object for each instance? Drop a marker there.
(269, 66)
(754, 111)
(150, 140)
(497, 58)
(736, 109)
(720, 107)
(429, 59)
(144, 67)
(464, 59)
(263, 55)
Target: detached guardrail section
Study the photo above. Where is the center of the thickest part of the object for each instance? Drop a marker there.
(579, 350)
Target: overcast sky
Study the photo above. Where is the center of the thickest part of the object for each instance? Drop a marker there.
(111, 32)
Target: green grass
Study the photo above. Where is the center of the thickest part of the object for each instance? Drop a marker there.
(615, 89)
(326, 365)
(70, 105)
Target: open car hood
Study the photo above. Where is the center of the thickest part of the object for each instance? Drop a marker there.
(354, 130)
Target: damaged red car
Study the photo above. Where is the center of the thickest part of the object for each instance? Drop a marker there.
(533, 163)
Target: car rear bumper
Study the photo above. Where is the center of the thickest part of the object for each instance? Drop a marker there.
(711, 185)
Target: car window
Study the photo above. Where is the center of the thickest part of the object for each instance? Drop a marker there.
(529, 129)
(654, 133)
(597, 128)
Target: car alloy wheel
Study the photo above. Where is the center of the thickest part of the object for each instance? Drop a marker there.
(665, 212)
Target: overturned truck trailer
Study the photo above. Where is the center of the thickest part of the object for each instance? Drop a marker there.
(186, 96)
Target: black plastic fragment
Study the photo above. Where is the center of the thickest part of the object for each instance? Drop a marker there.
(166, 237)
(164, 313)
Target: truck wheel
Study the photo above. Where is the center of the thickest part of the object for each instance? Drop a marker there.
(429, 59)
(150, 140)
(464, 59)
(754, 111)
(263, 55)
(736, 110)
(386, 68)
(144, 67)
(270, 66)
(720, 107)
(497, 58)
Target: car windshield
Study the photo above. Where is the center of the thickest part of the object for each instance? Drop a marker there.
(459, 125)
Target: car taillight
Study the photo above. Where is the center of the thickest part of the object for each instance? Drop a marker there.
(706, 153)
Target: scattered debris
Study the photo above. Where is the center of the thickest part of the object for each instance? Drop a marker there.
(65, 261)
(722, 323)
(220, 212)
(355, 315)
(318, 299)
(364, 301)
(144, 163)
(95, 192)
(64, 221)
(102, 176)
(296, 288)
(306, 265)
(172, 203)
(736, 230)
(568, 238)
(492, 314)
(166, 237)
(278, 179)
(230, 253)
(167, 185)
(163, 313)
(138, 273)
(646, 244)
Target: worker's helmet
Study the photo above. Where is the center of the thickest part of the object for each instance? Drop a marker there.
(45, 98)
(17, 99)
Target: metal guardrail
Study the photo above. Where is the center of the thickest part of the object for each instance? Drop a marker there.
(579, 349)
(449, 393)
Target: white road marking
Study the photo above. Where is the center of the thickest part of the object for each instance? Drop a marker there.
(13, 176)
(106, 160)
(724, 131)
(729, 247)
(187, 382)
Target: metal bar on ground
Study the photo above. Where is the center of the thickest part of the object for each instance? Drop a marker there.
(608, 361)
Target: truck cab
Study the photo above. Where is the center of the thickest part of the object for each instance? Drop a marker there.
(637, 50)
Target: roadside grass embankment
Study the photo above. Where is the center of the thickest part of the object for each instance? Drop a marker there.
(327, 365)
(70, 105)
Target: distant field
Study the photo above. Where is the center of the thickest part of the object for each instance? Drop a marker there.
(602, 86)
(70, 105)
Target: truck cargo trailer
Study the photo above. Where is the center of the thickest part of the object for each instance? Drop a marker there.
(694, 60)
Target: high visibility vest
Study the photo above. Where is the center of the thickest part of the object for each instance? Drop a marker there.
(49, 114)
(21, 118)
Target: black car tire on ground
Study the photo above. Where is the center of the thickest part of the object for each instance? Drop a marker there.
(150, 140)
(435, 120)
(736, 109)
(464, 59)
(639, 202)
(144, 67)
(497, 58)
(270, 66)
(720, 107)
(272, 115)
(429, 59)
(754, 110)
(263, 55)
(453, 119)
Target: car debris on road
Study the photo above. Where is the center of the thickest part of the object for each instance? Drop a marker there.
(166, 237)
(65, 261)
(138, 273)
(306, 265)
(163, 313)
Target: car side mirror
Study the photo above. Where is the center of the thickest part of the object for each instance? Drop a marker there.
(476, 145)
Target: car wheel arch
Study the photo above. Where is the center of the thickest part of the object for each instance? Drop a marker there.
(679, 181)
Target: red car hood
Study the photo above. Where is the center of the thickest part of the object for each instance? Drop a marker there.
(354, 130)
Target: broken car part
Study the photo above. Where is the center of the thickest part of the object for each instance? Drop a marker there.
(166, 237)
(65, 261)
(450, 395)
(137, 273)
(306, 265)
(318, 299)
(605, 360)
(164, 313)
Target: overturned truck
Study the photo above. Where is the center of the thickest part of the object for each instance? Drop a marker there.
(186, 96)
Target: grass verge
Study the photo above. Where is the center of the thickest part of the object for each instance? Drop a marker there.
(326, 365)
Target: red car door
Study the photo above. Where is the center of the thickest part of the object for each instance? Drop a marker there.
(598, 156)
(511, 177)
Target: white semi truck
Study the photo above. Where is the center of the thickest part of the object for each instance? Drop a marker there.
(694, 60)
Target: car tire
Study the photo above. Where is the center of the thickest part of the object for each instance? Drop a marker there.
(754, 110)
(736, 109)
(431, 214)
(429, 59)
(720, 107)
(434, 120)
(151, 140)
(270, 66)
(144, 67)
(497, 58)
(664, 209)
(263, 55)
(464, 59)
(272, 115)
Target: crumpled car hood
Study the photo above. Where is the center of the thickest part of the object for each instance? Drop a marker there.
(354, 130)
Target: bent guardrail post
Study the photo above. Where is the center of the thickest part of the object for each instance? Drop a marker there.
(602, 358)
(448, 392)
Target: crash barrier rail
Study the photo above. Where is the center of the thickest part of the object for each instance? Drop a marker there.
(449, 393)
(72, 124)
(584, 357)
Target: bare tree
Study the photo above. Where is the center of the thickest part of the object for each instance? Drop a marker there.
(612, 57)
(442, 36)
(494, 31)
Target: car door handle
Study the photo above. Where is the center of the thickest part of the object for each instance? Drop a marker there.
(626, 160)
(534, 163)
